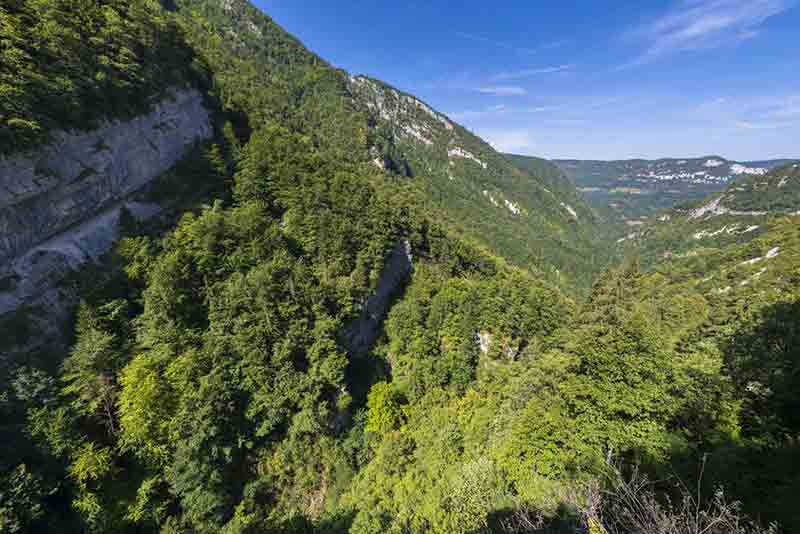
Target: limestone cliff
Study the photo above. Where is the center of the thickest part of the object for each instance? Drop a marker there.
(360, 335)
(78, 174)
(60, 204)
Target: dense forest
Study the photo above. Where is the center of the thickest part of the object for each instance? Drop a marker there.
(69, 64)
(211, 385)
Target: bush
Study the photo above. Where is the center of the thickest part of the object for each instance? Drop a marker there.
(632, 506)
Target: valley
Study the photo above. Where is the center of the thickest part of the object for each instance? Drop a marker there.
(631, 191)
(245, 291)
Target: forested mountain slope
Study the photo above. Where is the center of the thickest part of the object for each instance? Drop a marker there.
(631, 191)
(775, 193)
(737, 254)
(483, 197)
(736, 247)
(518, 210)
(332, 329)
(65, 66)
(210, 370)
(741, 213)
(251, 73)
(556, 180)
(545, 168)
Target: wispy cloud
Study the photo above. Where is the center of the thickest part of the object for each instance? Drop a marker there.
(566, 122)
(509, 140)
(539, 109)
(561, 113)
(499, 110)
(787, 108)
(493, 111)
(701, 24)
(495, 43)
(502, 90)
(748, 125)
(528, 73)
(753, 112)
(510, 46)
(712, 105)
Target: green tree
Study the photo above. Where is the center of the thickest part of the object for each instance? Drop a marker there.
(385, 412)
(102, 350)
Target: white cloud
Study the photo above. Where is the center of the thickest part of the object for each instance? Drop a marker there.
(494, 43)
(787, 108)
(527, 73)
(749, 125)
(753, 112)
(496, 111)
(698, 24)
(503, 90)
(509, 140)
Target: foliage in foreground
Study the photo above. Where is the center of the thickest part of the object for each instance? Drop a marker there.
(208, 389)
(632, 505)
(65, 64)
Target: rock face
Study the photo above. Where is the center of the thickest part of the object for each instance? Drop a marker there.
(716, 207)
(359, 335)
(486, 341)
(60, 205)
(38, 271)
(79, 174)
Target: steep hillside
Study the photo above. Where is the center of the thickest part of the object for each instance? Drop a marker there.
(222, 358)
(302, 301)
(558, 182)
(630, 191)
(546, 169)
(97, 105)
(730, 266)
(251, 75)
(63, 66)
(743, 226)
(777, 192)
(762, 266)
(475, 190)
(521, 211)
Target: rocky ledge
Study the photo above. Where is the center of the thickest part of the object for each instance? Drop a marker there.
(60, 205)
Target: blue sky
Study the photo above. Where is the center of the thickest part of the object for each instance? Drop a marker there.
(583, 79)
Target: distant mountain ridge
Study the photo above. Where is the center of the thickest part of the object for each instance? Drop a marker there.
(632, 190)
(528, 214)
(750, 218)
(288, 299)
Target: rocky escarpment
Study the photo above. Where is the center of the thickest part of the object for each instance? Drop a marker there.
(79, 174)
(60, 205)
(360, 334)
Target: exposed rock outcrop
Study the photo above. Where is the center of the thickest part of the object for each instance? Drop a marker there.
(459, 152)
(360, 334)
(33, 288)
(79, 174)
(486, 341)
(716, 207)
(60, 205)
(38, 271)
